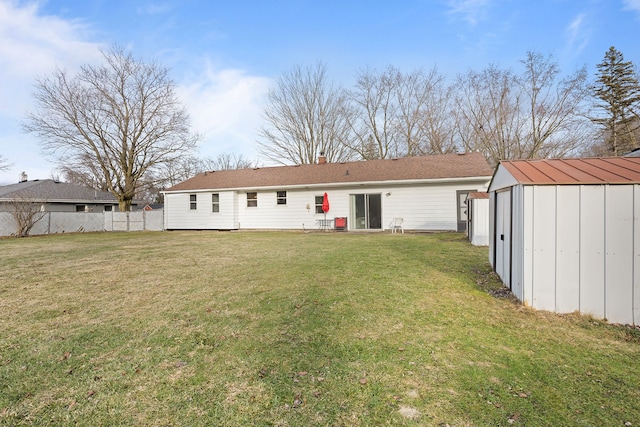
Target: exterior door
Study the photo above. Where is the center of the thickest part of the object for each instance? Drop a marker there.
(462, 208)
(502, 237)
(366, 211)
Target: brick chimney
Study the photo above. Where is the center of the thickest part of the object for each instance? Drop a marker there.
(322, 159)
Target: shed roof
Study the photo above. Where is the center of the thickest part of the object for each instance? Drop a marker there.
(633, 153)
(446, 166)
(600, 170)
(478, 195)
(49, 190)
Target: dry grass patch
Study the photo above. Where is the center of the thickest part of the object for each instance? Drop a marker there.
(206, 328)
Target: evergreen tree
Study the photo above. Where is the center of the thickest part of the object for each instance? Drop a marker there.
(618, 95)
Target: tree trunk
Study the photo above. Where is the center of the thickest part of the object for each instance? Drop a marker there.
(124, 205)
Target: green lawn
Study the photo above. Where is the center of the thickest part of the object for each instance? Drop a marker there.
(292, 329)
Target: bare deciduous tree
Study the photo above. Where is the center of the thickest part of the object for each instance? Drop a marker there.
(305, 115)
(86, 173)
(401, 114)
(25, 213)
(488, 113)
(375, 109)
(557, 116)
(424, 123)
(122, 120)
(4, 164)
(528, 116)
(187, 167)
(226, 161)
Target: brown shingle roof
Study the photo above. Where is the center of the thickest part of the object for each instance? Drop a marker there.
(406, 168)
(603, 170)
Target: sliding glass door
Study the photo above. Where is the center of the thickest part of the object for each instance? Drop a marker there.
(366, 211)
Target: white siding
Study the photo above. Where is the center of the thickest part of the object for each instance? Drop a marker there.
(294, 215)
(592, 250)
(179, 215)
(619, 254)
(432, 207)
(423, 207)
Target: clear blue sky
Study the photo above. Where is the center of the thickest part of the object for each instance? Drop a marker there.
(225, 55)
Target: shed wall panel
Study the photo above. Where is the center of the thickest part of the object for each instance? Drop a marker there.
(502, 179)
(526, 211)
(544, 247)
(575, 247)
(592, 267)
(479, 222)
(517, 242)
(619, 254)
(636, 254)
(567, 280)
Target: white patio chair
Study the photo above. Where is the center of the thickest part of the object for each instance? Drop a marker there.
(396, 225)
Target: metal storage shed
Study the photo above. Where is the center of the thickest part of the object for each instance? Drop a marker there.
(565, 236)
(478, 218)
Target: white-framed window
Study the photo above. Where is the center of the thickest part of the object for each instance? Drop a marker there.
(108, 208)
(319, 200)
(81, 208)
(252, 199)
(215, 202)
(193, 202)
(281, 197)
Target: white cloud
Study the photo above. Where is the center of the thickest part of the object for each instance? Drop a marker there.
(225, 106)
(577, 35)
(471, 11)
(154, 9)
(32, 44)
(632, 5)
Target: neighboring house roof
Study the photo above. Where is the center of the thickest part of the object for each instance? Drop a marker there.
(152, 206)
(477, 195)
(633, 153)
(50, 191)
(440, 167)
(601, 170)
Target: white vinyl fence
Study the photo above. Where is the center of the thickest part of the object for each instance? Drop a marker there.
(82, 222)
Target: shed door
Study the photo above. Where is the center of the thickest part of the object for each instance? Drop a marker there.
(503, 236)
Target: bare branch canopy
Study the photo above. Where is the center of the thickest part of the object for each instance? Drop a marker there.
(120, 120)
(305, 116)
